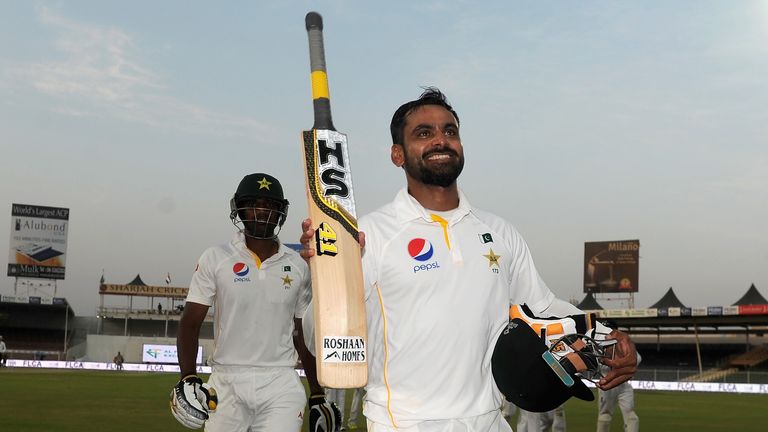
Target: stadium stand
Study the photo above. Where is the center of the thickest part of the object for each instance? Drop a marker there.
(678, 343)
(711, 375)
(589, 303)
(139, 321)
(36, 329)
(751, 297)
(751, 358)
(669, 300)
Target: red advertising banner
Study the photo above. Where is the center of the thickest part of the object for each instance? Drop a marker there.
(758, 309)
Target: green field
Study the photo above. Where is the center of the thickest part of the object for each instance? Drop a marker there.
(39, 400)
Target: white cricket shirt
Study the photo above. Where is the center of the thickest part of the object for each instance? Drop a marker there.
(437, 296)
(254, 305)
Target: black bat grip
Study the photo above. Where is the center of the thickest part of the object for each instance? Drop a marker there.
(321, 99)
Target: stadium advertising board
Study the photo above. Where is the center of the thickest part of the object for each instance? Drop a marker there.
(153, 353)
(671, 386)
(38, 241)
(753, 309)
(144, 290)
(611, 266)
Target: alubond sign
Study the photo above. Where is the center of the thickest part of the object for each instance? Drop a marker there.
(38, 241)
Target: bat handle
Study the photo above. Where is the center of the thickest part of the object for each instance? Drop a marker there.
(321, 99)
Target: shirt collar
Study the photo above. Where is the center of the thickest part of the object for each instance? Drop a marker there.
(408, 209)
(238, 241)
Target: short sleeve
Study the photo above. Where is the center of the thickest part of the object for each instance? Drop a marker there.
(202, 288)
(304, 298)
(526, 285)
(370, 255)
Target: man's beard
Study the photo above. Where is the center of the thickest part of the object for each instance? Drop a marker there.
(264, 228)
(442, 174)
(260, 230)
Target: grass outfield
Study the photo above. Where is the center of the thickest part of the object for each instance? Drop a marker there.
(44, 400)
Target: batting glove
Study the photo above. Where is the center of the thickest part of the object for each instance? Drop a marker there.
(192, 400)
(323, 416)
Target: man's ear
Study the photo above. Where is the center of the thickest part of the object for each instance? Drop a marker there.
(397, 155)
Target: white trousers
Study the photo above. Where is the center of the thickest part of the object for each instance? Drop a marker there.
(257, 400)
(489, 422)
(553, 420)
(339, 397)
(357, 406)
(624, 396)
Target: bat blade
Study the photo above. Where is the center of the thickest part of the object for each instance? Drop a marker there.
(337, 276)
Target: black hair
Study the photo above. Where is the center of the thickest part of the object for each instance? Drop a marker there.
(430, 96)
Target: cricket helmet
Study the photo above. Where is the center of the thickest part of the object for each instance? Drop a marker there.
(258, 186)
(534, 377)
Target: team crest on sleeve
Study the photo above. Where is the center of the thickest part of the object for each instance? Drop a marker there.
(493, 260)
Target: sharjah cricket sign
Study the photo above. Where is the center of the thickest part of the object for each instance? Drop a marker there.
(611, 267)
(144, 290)
(38, 241)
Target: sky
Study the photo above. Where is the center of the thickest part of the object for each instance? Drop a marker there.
(581, 121)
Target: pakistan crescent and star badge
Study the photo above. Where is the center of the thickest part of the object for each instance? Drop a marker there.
(492, 258)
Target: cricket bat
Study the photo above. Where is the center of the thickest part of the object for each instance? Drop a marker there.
(337, 274)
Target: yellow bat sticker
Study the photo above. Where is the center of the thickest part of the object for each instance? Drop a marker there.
(325, 239)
